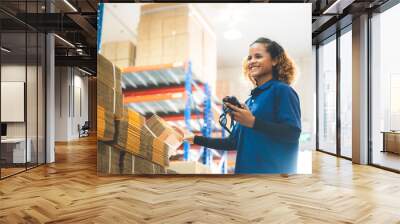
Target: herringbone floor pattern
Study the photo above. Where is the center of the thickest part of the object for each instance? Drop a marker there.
(69, 191)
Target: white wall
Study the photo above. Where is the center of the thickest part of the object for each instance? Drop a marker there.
(71, 93)
(120, 22)
(305, 88)
(231, 81)
(61, 103)
(80, 94)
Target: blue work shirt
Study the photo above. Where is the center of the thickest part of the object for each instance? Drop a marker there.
(262, 150)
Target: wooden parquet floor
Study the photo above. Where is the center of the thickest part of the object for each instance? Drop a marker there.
(70, 191)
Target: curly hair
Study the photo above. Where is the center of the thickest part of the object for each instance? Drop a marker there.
(284, 70)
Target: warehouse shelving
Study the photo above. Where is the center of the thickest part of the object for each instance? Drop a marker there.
(100, 14)
(159, 89)
(173, 92)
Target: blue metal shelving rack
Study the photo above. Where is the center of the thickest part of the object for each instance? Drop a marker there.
(187, 114)
(224, 167)
(99, 25)
(207, 128)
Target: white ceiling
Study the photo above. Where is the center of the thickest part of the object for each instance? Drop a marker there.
(120, 22)
(288, 24)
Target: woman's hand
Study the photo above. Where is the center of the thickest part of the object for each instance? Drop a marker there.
(186, 134)
(242, 115)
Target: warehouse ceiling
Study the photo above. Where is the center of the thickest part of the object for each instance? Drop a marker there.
(121, 19)
(237, 25)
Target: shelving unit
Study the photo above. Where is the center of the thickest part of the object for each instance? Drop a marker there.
(172, 92)
(100, 14)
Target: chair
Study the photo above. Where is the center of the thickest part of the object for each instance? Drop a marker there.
(84, 130)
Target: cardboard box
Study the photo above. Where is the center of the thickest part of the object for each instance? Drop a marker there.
(155, 30)
(167, 59)
(108, 51)
(123, 63)
(181, 24)
(116, 52)
(165, 133)
(141, 61)
(169, 26)
(189, 167)
(155, 47)
(181, 48)
(105, 124)
(181, 11)
(125, 50)
(143, 48)
(183, 37)
(135, 137)
(144, 27)
(168, 44)
(114, 160)
(109, 91)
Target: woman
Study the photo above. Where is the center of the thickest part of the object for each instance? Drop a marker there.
(266, 135)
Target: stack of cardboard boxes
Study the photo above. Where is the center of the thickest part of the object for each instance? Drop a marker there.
(121, 53)
(165, 133)
(133, 135)
(126, 144)
(109, 98)
(115, 160)
(169, 33)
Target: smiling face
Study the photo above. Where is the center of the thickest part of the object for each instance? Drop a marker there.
(260, 62)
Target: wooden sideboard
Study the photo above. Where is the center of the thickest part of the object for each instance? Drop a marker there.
(391, 141)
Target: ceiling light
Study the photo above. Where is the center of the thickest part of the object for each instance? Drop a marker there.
(65, 41)
(5, 50)
(84, 71)
(232, 34)
(337, 7)
(231, 15)
(70, 5)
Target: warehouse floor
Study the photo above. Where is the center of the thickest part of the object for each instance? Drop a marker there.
(69, 191)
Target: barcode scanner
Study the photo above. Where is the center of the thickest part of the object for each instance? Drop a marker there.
(226, 110)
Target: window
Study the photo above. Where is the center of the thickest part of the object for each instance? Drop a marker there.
(385, 89)
(346, 94)
(22, 75)
(327, 96)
